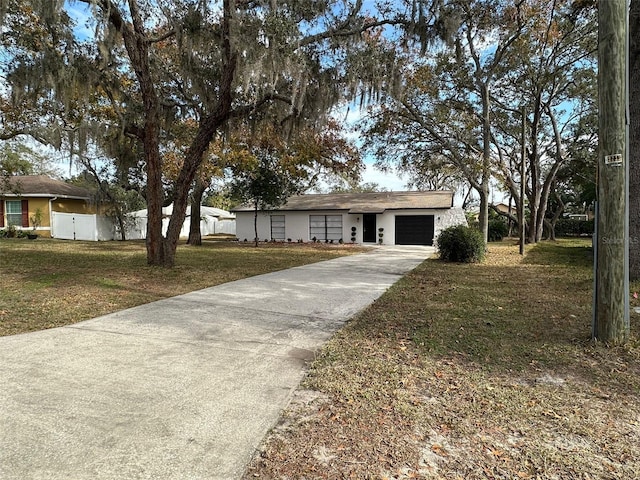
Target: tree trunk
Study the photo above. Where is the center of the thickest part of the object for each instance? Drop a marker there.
(533, 196)
(532, 228)
(195, 235)
(483, 218)
(137, 47)
(510, 218)
(206, 130)
(161, 251)
(121, 224)
(544, 197)
(192, 162)
(634, 141)
(556, 215)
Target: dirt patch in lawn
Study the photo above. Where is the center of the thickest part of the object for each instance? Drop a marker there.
(469, 372)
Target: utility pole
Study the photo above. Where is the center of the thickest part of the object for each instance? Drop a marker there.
(611, 309)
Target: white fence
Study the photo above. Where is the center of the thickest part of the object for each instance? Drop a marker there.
(77, 226)
(137, 227)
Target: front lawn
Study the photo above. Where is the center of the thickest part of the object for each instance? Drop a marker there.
(482, 371)
(48, 283)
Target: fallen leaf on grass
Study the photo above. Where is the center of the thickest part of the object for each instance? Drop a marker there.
(439, 450)
(550, 413)
(496, 452)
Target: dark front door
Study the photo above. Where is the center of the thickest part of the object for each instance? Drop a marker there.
(369, 228)
(414, 230)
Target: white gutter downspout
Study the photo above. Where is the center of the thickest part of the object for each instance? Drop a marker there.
(51, 200)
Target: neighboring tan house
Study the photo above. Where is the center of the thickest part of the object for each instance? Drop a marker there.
(506, 209)
(57, 202)
(390, 218)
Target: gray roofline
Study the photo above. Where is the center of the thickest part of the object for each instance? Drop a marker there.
(43, 195)
(346, 210)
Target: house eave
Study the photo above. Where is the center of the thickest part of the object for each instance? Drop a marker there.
(366, 210)
(43, 195)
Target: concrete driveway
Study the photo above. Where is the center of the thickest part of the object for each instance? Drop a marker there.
(183, 388)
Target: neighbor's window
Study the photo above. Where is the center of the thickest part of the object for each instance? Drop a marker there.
(13, 212)
(277, 227)
(325, 227)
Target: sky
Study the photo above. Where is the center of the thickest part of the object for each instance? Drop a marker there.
(387, 180)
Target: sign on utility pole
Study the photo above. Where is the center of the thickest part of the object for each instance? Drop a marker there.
(611, 309)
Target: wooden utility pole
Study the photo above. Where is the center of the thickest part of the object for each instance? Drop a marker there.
(611, 309)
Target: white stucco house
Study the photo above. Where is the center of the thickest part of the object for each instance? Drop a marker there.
(390, 218)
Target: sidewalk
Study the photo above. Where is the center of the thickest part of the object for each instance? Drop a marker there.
(182, 388)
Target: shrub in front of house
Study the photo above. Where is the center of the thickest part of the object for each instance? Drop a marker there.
(461, 244)
(498, 229)
(12, 232)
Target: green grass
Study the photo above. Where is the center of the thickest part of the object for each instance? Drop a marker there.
(470, 371)
(48, 283)
(568, 253)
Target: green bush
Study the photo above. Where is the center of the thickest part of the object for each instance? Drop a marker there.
(498, 229)
(9, 232)
(568, 227)
(461, 244)
(12, 232)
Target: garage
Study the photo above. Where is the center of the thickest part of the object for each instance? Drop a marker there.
(414, 230)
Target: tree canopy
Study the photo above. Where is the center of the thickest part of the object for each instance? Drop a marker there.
(153, 86)
(119, 82)
(459, 111)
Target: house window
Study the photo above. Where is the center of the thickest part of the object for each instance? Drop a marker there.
(13, 212)
(277, 227)
(325, 227)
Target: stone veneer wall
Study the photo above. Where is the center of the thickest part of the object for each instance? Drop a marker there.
(449, 218)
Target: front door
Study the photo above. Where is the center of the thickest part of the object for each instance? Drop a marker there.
(369, 228)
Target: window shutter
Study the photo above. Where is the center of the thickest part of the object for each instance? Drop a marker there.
(25, 213)
(1, 213)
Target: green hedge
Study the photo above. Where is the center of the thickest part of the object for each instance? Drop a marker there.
(568, 227)
(498, 229)
(461, 244)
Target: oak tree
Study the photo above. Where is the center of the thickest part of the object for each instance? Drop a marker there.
(209, 61)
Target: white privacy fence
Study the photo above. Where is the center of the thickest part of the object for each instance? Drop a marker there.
(77, 226)
(212, 221)
(136, 227)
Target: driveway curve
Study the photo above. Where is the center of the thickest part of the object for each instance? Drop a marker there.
(182, 388)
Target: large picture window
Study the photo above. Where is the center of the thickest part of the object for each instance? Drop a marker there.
(325, 227)
(277, 227)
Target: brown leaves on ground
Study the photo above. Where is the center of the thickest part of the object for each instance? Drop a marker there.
(468, 372)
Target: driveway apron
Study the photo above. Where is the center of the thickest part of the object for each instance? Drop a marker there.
(182, 388)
